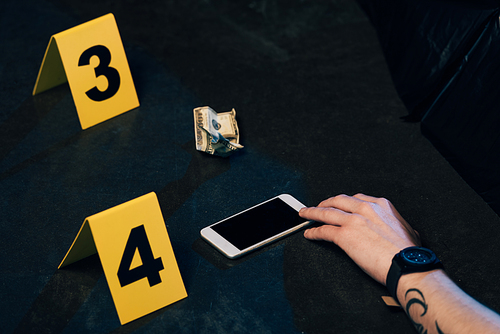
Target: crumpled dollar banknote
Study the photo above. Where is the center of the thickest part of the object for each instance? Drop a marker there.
(216, 133)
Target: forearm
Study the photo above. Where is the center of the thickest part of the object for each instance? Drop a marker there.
(437, 305)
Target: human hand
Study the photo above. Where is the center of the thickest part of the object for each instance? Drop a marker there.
(369, 229)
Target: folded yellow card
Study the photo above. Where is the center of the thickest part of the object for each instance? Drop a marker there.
(136, 255)
(91, 58)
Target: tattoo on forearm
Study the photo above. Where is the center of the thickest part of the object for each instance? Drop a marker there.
(417, 299)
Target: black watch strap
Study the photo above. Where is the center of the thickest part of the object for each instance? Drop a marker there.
(393, 278)
(400, 266)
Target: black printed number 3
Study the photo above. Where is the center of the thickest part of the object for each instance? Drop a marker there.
(150, 267)
(103, 68)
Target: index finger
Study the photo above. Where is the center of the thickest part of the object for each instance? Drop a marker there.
(327, 215)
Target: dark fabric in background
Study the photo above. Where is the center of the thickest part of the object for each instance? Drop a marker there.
(443, 58)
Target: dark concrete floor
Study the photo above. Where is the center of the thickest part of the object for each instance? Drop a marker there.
(318, 115)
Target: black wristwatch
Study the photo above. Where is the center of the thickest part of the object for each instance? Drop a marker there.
(410, 260)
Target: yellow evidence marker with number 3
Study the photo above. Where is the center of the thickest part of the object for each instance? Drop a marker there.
(91, 58)
(136, 255)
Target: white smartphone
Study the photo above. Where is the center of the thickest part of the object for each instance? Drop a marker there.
(255, 227)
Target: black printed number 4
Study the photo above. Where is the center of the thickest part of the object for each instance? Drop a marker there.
(150, 266)
(104, 69)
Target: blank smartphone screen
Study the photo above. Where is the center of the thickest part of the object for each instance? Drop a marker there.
(258, 224)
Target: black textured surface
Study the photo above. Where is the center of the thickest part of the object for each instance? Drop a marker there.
(318, 115)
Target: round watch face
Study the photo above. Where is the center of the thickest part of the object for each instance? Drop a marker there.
(418, 255)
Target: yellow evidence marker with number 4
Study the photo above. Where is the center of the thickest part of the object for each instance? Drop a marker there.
(91, 58)
(136, 255)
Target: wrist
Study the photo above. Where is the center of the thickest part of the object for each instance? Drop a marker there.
(416, 280)
(408, 261)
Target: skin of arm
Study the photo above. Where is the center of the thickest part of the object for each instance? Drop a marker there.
(435, 304)
(371, 231)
